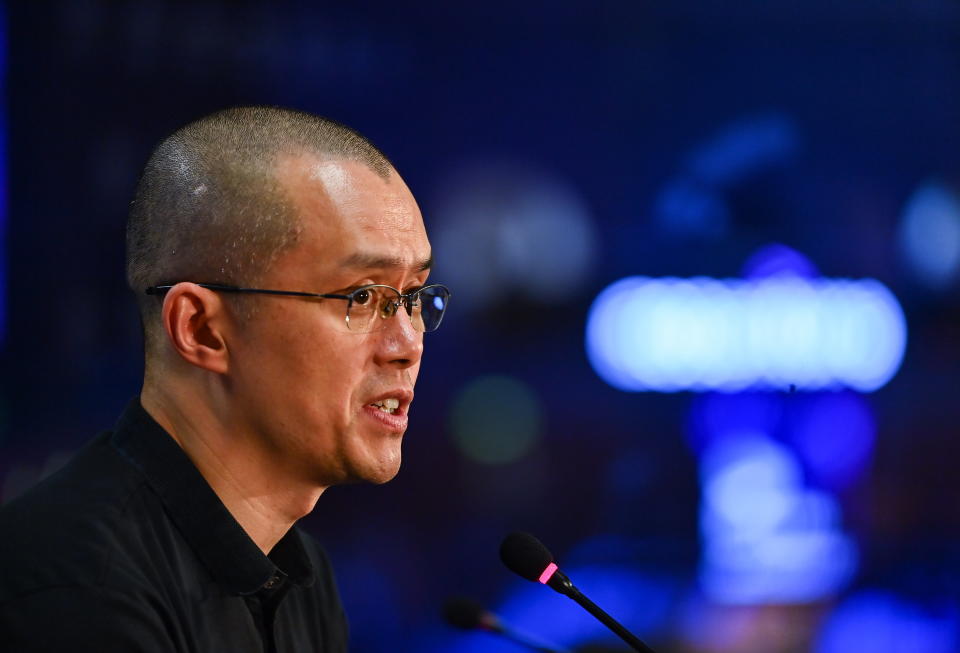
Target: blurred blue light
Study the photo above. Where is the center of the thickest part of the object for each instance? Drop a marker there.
(930, 234)
(750, 485)
(744, 148)
(693, 203)
(775, 260)
(684, 207)
(513, 231)
(788, 567)
(767, 539)
(834, 436)
(880, 622)
(700, 334)
(714, 415)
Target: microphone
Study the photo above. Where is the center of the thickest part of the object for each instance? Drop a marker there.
(465, 613)
(526, 556)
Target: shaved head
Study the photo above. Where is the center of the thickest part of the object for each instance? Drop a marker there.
(209, 207)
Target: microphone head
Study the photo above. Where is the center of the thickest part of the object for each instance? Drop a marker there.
(525, 555)
(463, 612)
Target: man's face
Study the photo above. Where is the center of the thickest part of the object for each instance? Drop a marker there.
(306, 385)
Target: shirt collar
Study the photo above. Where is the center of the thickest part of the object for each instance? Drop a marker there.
(212, 532)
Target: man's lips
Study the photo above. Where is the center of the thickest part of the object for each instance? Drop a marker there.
(396, 421)
(390, 408)
(397, 401)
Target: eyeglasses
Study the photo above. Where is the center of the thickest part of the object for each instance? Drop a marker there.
(368, 307)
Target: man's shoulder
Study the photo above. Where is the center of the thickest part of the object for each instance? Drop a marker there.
(68, 528)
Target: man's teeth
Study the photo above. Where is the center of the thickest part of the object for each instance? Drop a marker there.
(387, 405)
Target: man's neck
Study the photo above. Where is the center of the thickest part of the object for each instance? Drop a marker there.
(264, 503)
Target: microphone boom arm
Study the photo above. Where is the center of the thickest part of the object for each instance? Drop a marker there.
(562, 584)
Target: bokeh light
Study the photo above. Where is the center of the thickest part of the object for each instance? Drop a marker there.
(776, 259)
(715, 415)
(745, 147)
(496, 420)
(874, 621)
(694, 202)
(699, 334)
(767, 537)
(513, 231)
(930, 234)
(749, 485)
(834, 435)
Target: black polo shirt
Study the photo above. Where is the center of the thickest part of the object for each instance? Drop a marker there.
(127, 548)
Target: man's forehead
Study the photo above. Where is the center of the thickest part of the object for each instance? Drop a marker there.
(375, 261)
(357, 219)
(336, 175)
(330, 188)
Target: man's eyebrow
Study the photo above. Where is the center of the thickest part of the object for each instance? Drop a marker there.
(366, 261)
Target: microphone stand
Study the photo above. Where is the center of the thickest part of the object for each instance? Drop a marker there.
(559, 582)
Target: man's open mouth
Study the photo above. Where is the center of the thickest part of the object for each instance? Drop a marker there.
(387, 405)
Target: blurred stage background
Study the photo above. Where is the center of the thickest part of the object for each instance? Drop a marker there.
(759, 458)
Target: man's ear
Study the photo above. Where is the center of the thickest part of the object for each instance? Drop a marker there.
(195, 320)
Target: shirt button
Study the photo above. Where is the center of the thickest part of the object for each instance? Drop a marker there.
(273, 582)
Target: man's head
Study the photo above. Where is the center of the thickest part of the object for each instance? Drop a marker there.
(210, 206)
(277, 199)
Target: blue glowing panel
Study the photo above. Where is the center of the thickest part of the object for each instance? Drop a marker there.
(701, 334)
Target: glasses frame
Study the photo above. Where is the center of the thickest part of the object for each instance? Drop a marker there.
(407, 299)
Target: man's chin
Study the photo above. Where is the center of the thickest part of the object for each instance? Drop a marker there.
(378, 478)
(383, 475)
(375, 472)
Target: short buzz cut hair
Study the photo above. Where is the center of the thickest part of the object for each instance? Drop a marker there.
(208, 207)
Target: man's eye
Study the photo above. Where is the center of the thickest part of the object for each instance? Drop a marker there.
(361, 296)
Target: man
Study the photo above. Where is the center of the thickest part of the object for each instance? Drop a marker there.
(280, 265)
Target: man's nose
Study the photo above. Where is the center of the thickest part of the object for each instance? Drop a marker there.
(399, 344)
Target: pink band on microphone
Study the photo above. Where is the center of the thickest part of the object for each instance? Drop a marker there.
(548, 573)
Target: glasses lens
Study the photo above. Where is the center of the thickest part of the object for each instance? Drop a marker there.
(370, 306)
(431, 303)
